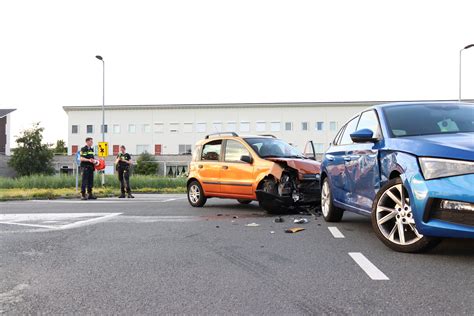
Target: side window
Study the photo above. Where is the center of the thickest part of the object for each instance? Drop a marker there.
(369, 120)
(350, 128)
(211, 150)
(337, 139)
(234, 150)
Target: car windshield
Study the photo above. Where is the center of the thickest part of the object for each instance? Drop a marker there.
(428, 119)
(272, 147)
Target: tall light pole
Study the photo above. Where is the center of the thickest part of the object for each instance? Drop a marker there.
(103, 106)
(460, 67)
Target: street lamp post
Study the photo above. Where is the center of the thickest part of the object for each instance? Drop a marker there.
(460, 67)
(103, 106)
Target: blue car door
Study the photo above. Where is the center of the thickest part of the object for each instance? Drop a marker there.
(362, 165)
(335, 162)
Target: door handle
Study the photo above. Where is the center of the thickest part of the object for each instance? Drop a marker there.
(225, 167)
(346, 158)
(200, 166)
(330, 157)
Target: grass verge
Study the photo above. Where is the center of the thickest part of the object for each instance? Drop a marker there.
(70, 193)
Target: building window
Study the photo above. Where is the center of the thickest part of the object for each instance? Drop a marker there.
(132, 128)
(201, 127)
(146, 128)
(332, 126)
(90, 129)
(188, 127)
(231, 127)
(304, 126)
(74, 149)
(75, 129)
(158, 149)
(103, 128)
(174, 127)
(288, 126)
(319, 126)
(116, 149)
(275, 126)
(116, 129)
(159, 128)
(260, 126)
(185, 149)
(142, 149)
(217, 127)
(244, 126)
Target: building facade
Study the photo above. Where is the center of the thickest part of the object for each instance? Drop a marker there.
(5, 131)
(174, 129)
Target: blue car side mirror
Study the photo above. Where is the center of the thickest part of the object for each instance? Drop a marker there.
(364, 135)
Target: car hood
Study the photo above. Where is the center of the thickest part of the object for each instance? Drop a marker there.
(454, 146)
(304, 166)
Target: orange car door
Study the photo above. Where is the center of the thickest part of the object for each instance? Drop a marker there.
(209, 166)
(236, 176)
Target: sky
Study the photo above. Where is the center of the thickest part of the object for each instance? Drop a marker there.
(213, 51)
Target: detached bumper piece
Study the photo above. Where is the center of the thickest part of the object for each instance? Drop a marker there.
(457, 212)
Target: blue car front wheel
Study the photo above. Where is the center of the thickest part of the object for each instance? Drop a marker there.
(393, 221)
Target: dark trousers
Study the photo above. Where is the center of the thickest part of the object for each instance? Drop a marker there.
(124, 178)
(87, 180)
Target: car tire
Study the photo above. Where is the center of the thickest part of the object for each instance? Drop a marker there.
(241, 201)
(330, 212)
(270, 186)
(196, 195)
(393, 220)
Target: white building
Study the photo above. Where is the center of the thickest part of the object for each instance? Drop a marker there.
(175, 128)
(5, 123)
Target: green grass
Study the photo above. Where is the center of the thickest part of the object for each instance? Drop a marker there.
(53, 187)
(111, 181)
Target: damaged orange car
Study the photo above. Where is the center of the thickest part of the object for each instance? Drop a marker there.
(252, 168)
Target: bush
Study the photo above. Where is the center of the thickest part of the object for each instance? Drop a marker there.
(31, 156)
(146, 164)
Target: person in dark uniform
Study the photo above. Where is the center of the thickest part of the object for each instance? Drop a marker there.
(87, 165)
(123, 162)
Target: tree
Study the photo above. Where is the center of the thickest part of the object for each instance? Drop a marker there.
(60, 148)
(31, 156)
(146, 164)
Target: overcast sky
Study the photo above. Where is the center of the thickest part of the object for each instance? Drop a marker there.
(195, 51)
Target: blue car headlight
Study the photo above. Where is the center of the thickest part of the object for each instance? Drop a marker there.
(433, 168)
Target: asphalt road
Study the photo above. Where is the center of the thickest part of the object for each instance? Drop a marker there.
(155, 255)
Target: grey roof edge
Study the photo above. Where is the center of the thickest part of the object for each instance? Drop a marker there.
(5, 112)
(241, 105)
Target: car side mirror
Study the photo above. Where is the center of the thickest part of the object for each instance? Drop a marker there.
(247, 159)
(364, 135)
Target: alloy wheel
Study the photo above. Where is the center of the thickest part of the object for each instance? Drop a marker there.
(395, 218)
(194, 193)
(325, 198)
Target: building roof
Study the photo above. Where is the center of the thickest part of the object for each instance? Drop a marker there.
(5, 112)
(237, 105)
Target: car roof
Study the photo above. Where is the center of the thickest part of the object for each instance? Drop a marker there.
(230, 135)
(441, 103)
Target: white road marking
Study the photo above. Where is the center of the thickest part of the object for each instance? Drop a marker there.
(155, 219)
(100, 201)
(336, 233)
(372, 271)
(55, 221)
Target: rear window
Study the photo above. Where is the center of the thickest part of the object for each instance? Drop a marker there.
(211, 150)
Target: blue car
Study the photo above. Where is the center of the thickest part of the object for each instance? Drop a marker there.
(410, 166)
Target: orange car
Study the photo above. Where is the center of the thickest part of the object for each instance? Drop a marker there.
(261, 168)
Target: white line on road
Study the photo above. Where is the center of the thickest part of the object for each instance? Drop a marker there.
(336, 233)
(372, 271)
